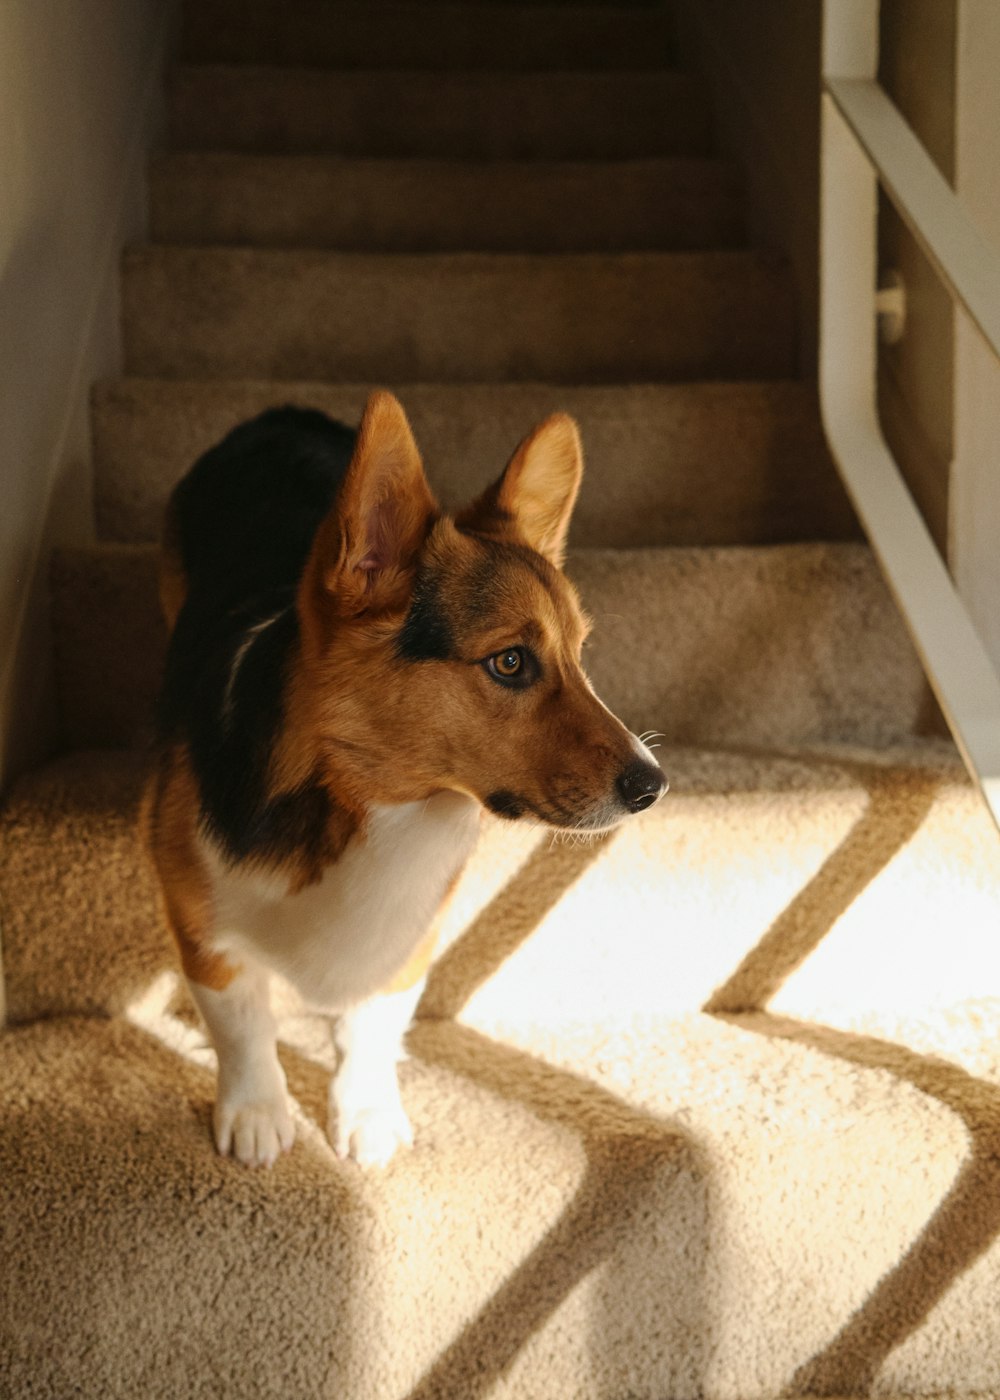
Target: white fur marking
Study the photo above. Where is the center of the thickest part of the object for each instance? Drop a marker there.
(367, 1119)
(251, 1118)
(343, 939)
(337, 942)
(252, 634)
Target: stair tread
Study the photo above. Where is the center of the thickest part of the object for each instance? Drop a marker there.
(835, 833)
(689, 1150)
(643, 1185)
(430, 36)
(785, 643)
(570, 317)
(718, 463)
(208, 198)
(406, 112)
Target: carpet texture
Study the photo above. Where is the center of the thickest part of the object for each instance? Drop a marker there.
(494, 115)
(441, 205)
(514, 37)
(283, 313)
(799, 644)
(717, 1161)
(708, 1109)
(692, 464)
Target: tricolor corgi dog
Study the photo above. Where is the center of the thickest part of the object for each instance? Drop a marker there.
(352, 677)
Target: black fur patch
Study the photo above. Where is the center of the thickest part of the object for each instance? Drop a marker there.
(426, 634)
(246, 515)
(506, 804)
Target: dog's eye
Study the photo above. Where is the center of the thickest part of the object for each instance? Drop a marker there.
(507, 664)
(513, 666)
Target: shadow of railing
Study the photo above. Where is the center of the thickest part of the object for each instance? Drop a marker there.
(626, 1151)
(967, 1220)
(509, 919)
(962, 1228)
(882, 830)
(626, 1154)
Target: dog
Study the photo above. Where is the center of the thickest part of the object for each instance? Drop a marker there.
(352, 677)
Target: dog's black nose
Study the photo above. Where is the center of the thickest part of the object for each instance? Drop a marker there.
(640, 785)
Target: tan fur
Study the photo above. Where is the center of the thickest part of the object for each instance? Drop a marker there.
(171, 581)
(170, 818)
(361, 563)
(452, 726)
(378, 729)
(534, 498)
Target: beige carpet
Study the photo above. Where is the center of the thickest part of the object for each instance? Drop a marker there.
(706, 1110)
(709, 1108)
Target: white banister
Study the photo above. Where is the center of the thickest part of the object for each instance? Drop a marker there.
(864, 140)
(965, 262)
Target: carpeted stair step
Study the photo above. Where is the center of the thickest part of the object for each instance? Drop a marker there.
(284, 314)
(667, 464)
(859, 860)
(204, 198)
(790, 644)
(477, 115)
(608, 1195)
(698, 1206)
(435, 36)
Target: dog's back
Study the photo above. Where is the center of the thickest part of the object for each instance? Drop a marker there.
(240, 523)
(239, 529)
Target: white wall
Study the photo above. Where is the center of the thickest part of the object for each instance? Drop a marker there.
(80, 84)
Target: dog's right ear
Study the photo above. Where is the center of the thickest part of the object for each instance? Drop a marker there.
(362, 558)
(534, 498)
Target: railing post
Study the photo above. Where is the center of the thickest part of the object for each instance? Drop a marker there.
(961, 674)
(850, 39)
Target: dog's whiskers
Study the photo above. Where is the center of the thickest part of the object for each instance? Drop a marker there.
(575, 836)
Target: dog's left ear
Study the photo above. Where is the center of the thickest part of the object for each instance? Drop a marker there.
(534, 497)
(364, 551)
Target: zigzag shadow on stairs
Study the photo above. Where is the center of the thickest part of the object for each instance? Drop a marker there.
(883, 830)
(962, 1228)
(628, 1153)
(507, 921)
(628, 1156)
(967, 1220)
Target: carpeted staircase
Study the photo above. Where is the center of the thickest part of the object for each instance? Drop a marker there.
(709, 1108)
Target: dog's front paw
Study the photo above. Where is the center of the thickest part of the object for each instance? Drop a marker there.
(371, 1135)
(255, 1133)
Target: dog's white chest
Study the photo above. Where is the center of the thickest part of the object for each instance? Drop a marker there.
(345, 938)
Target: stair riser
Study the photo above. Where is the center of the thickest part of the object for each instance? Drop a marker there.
(507, 37)
(429, 206)
(766, 647)
(666, 465)
(479, 115)
(285, 315)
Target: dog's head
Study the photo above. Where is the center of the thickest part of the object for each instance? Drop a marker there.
(444, 652)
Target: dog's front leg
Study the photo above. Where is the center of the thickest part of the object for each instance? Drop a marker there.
(251, 1116)
(367, 1119)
